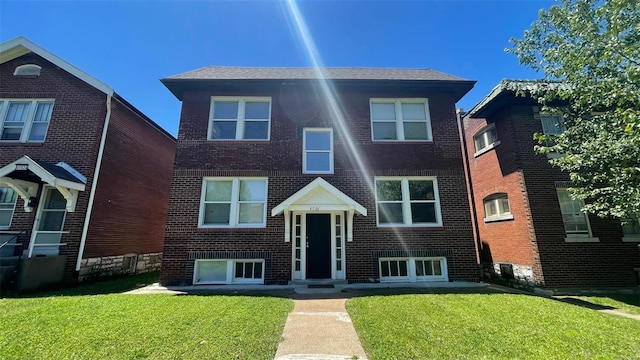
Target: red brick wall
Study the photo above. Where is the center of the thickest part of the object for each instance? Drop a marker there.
(496, 171)
(609, 262)
(536, 235)
(280, 159)
(130, 205)
(73, 136)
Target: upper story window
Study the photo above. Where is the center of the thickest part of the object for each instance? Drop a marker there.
(240, 118)
(551, 124)
(631, 228)
(576, 222)
(486, 139)
(27, 70)
(7, 205)
(233, 202)
(24, 120)
(496, 207)
(400, 119)
(317, 151)
(408, 201)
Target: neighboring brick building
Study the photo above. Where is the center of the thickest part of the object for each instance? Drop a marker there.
(529, 228)
(84, 175)
(280, 176)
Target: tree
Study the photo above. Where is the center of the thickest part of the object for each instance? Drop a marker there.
(592, 48)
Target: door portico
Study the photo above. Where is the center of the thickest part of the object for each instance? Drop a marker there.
(318, 221)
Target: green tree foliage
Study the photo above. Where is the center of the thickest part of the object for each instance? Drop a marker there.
(593, 49)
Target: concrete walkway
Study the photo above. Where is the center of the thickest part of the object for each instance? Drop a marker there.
(319, 329)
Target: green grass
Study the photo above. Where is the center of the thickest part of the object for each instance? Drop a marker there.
(629, 303)
(119, 285)
(69, 325)
(489, 326)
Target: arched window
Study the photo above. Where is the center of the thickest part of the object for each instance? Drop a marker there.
(27, 70)
(496, 207)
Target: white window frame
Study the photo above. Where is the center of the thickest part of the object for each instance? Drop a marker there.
(498, 201)
(576, 236)
(305, 151)
(28, 124)
(411, 270)
(240, 120)
(234, 212)
(231, 272)
(12, 210)
(631, 237)
(399, 118)
(406, 201)
(489, 136)
(559, 124)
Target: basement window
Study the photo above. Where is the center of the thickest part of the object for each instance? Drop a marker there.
(229, 271)
(413, 269)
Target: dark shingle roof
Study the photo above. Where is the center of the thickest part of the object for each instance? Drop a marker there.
(290, 73)
(59, 172)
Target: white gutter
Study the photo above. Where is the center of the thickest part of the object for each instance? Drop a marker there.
(94, 184)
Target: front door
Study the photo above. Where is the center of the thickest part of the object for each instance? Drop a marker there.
(318, 246)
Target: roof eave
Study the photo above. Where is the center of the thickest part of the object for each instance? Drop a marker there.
(177, 86)
(19, 46)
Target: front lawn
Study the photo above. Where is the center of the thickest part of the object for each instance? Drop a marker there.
(629, 303)
(507, 326)
(118, 326)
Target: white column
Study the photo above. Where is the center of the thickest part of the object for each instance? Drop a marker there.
(287, 226)
(350, 226)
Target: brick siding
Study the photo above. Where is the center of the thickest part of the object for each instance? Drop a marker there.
(294, 106)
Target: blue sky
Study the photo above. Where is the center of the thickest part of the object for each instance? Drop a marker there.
(130, 45)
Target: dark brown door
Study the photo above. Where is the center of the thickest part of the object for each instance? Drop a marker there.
(319, 246)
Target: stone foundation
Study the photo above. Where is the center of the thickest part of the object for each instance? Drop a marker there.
(110, 266)
(521, 274)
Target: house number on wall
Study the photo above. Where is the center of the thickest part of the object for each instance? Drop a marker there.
(314, 208)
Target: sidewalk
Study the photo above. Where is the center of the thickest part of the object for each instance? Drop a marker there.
(319, 329)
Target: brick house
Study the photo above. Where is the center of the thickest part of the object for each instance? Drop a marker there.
(530, 230)
(301, 175)
(84, 175)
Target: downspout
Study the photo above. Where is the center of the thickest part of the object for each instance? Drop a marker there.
(94, 184)
(467, 174)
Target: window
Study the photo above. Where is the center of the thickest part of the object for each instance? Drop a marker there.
(227, 271)
(318, 151)
(7, 205)
(496, 207)
(407, 202)
(631, 228)
(413, 269)
(233, 202)
(576, 223)
(551, 124)
(400, 119)
(27, 70)
(486, 140)
(24, 120)
(246, 118)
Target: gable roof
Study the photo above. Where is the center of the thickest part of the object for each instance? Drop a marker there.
(290, 73)
(19, 46)
(332, 199)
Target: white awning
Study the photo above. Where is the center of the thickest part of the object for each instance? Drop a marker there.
(25, 175)
(319, 195)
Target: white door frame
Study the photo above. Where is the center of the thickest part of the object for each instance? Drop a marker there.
(337, 237)
(36, 223)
